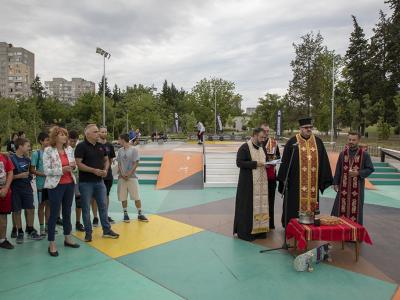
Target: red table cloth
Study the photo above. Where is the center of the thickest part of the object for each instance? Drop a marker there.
(346, 231)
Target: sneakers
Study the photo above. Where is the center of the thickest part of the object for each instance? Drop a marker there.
(111, 221)
(79, 227)
(126, 218)
(43, 233)
(14, 232)
(88, 237)
(59, 222)
(33, 235)
(6, 245)
(95, 222)
(110, 234)
(20, 238)
(142, 218)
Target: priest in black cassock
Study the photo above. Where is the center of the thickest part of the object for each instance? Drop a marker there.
(251, 209)
(310, 173)
(353, 166)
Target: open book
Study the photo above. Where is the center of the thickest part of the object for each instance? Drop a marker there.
(273, 162)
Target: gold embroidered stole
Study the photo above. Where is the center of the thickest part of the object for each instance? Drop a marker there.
(270, 147)
(308, 168)
(260, 192)
(349, 198)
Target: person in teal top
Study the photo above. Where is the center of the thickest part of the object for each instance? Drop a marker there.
(37, 163)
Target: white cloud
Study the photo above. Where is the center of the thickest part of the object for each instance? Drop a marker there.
(182, 41)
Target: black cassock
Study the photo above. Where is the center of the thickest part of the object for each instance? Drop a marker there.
(293, 195)
(243, 223)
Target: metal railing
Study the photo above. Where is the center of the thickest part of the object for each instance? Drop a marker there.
(395, 154)
(204, 162)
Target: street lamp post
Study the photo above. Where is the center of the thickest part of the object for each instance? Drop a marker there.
(333, 97)
(105, 55)
(215, 111)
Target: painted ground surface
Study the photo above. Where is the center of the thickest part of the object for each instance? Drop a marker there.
(187, 251)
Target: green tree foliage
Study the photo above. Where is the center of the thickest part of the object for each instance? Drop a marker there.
(382, 88)
(107, 91)
(393, 44)
(204, 95)
(303, 88)
(38, 91)
(383, 129)
(357, 71)
(266, 110)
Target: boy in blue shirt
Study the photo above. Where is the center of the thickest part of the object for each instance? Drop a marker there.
(37, 166)
(22, 193)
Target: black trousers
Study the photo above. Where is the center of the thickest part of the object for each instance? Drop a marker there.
(271, 201)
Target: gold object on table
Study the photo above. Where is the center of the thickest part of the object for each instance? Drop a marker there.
(329, 220)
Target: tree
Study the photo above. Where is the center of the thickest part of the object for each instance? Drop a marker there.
(344, 111)
(357, 71)
(325, 70)
(89, 108)
(117, 95)
(393, 45)
(107, 91)
(188, 122)
(303, 88)
(206, 93)
(54, 111)
(171, 101)
(30, 114)
(397, 105)
(266, 110)
(383, 129)
(10, 118)
(381, 87)
(38, 91)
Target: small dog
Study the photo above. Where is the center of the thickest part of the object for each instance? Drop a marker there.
(304, 262)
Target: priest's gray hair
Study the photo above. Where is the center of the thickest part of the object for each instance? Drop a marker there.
(88, 127)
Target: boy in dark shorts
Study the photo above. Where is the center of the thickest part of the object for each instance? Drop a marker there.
(6, 177)
(73, 138)
(109, 149)
(22, 195)
(37, 165)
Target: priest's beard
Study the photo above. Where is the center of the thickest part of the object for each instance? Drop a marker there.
(353, 147)
(256, 143)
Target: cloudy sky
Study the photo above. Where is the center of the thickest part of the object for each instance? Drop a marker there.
(248, 42)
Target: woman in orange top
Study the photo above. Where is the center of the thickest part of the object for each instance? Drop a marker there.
(58, 164)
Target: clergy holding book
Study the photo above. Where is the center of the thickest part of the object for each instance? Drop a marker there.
(251, 209)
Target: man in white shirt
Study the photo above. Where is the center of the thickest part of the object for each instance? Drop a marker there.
(128, 161)
(200, 132)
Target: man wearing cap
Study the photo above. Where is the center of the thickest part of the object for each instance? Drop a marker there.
(309, 173)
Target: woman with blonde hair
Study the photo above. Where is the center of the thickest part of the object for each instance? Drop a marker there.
(58, 164)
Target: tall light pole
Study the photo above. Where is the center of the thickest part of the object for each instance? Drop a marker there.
(333, 96)
(215, 111)
(105, 55)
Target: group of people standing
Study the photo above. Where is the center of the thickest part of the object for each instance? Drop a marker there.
(304, 173)
(64, 169)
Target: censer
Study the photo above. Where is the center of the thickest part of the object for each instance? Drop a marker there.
(306, 217)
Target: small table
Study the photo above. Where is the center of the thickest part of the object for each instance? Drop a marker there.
(347, 230)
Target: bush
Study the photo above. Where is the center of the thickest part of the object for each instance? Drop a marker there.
(383, 129)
